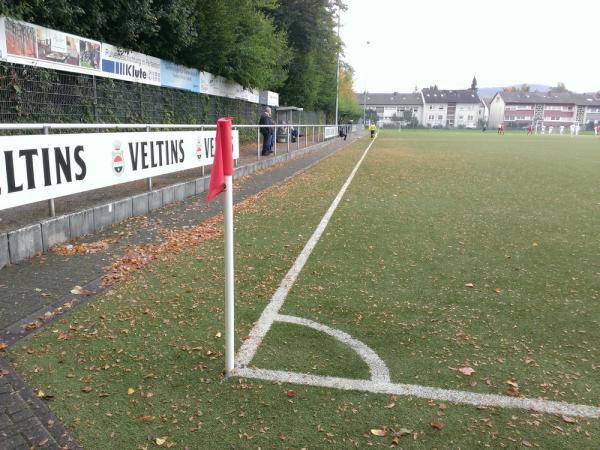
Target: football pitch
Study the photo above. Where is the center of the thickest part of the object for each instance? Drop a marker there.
(425, 289)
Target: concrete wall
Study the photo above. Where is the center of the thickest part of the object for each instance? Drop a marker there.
(21, 244)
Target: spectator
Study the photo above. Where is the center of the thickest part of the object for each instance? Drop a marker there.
(342, 132)
(266, 131)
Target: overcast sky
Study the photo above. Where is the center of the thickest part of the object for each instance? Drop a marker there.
(446, 42)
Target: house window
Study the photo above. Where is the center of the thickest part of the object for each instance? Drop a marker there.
(440, 117)
(430, 106)
(470, 118)
(460, 117)
(441, 107)
(431, 117)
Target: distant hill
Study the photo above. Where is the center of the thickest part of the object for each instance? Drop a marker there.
(490, 91)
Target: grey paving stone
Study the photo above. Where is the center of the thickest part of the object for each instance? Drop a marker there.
(168, 194)
(104, 216)
(55, 231)
(4, 255)
(25, 243)
(140, 204)
(81, 223)
(123, 210)
(179, 192)
(190, 188)
(155, 200)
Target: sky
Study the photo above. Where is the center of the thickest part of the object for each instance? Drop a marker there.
(447, 42)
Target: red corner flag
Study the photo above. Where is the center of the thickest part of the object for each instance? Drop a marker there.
(223, 162)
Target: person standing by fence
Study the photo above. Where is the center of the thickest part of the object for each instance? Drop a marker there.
(266, 131)
(373, 129)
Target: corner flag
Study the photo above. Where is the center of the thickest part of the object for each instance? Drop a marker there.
(223, 162)
(221, 180)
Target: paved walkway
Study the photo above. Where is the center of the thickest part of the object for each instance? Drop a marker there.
(37, 291)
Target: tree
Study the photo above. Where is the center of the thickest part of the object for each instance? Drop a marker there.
(474, 84)
(560, 87)
(233, 38)
(314, 45)
(349, 107)
(525, 87)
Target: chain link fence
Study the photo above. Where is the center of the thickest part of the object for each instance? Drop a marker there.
(36, 95)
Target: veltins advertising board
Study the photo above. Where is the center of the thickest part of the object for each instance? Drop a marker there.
(40, 167)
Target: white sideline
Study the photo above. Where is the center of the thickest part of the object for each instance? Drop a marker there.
(263, 325)
(378, 369)
(429, 393)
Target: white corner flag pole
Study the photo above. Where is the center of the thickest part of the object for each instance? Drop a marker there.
(229, 278)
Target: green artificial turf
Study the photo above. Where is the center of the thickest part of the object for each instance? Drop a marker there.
(427, 214)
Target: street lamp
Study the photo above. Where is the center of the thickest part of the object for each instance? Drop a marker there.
(365, 96)
(337, 74)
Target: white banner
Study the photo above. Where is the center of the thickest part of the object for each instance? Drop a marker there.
(127, 65)
(25, 43)
(330, 132)
(40, 167)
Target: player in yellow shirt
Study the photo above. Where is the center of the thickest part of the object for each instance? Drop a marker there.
(372, 129)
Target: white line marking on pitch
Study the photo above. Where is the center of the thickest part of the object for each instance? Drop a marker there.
(250, 345)
(429, 393)
(380, 384)
(378, 369)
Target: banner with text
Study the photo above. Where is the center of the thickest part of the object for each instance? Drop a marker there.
(40, 167)
(330, 132)
(127, 65)
(25, 43)
(179, 77)
(29, 44)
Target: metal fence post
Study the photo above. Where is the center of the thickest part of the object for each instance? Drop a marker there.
(289, 135)
(202, 168)
(298, 138)
(95, 98)
(306, 136)
(275, 143)
(149, 179)
(236, 161)
(258, 143)
(51, 209)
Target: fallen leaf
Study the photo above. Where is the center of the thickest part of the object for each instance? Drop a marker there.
(160, 441)
(218, 335)
(3, 346)
(291, 394)
(498, 290)
(468, 371)
(568, 419)
(390, 406)
(469, 285)
(40, 393)
(86, 389)
(378, 432)
(130, 391)
(512, 383)
(526, 444)
(147, 419)
(437, 425)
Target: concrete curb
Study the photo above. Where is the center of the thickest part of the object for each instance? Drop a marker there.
(19, 245)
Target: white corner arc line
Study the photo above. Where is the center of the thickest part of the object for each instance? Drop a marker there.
(262, 326)
(378, 369)
(429, 393)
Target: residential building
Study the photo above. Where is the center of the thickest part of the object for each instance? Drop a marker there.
(591, 102)
(520, 109)
(461, 108)
(393, 107)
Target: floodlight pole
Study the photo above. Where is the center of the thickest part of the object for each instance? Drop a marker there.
(337, 78)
